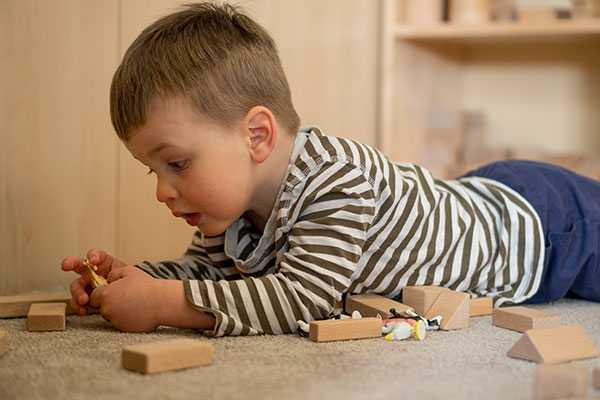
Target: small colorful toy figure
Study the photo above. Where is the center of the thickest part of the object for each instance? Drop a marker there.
(96, 279)
(400, 330)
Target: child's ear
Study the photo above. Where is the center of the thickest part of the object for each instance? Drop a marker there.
(262, 133)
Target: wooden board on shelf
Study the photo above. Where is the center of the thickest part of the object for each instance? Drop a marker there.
(512, 30)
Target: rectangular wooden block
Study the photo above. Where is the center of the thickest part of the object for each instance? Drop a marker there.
(523, 318)
(560, 381)
(554, 345)
(454, 307)
(421, 298)
(596, 376)
(46, 317)
(2, 341)
(344, 329)
(151, 358)
(481, 306)
(18, 306)
(369, 305)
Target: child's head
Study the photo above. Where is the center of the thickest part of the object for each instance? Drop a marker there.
(215, 57)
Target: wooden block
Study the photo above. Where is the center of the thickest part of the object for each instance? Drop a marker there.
(46, 317)
(369, 305)
(344, 329)
(524, 318)
(454, 307)
(151, 358)
(554, 345)
(481, 306)
(596, 376)
(18, 306)
(421, 298)
(2, 341)
(560, 381)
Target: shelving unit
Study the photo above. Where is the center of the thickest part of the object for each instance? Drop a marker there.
(538, 84)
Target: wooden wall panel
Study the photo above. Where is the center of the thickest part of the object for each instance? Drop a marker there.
(67, 184)
(58, 156)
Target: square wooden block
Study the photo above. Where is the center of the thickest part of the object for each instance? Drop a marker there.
(560, 381)
(596, 376)
(524, 318)
(151, 358)
(46, 317)
(481, 306)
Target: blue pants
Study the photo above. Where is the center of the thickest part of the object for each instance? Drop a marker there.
(569, 208)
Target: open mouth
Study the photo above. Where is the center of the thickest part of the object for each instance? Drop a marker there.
(192, 218)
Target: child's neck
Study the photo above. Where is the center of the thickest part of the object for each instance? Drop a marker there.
(272, 172)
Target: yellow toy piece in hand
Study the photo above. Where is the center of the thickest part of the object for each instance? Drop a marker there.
(96, 279)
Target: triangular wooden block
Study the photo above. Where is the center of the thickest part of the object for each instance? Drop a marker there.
(421, 298)
(554, 345)
(454, 307)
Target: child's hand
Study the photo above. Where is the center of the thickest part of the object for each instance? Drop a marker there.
(129, 302)
(81, 287)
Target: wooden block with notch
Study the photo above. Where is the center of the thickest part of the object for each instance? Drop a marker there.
(560, 381)
(152, 358)
(523, 318)
(344, 329)
(421, 298)
(596, 376)
(554, 345)
(46, 317)
(481, 306)
(454, 307)
(2, 341)
(369, 305)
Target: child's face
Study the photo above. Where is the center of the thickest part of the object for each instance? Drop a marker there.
(203, 169)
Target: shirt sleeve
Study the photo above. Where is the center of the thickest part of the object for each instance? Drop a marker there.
(325, 243)
(204, 259)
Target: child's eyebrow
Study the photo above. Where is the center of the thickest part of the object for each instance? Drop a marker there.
(159, 147)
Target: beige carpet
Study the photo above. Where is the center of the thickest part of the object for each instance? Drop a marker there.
(83, 362)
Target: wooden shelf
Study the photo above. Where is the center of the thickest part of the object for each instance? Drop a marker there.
(504, 30)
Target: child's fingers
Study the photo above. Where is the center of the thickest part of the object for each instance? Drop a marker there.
(100, 258)
(79, 297)
(71, 263)
(96, 296)
(78, 291)
(117, 274)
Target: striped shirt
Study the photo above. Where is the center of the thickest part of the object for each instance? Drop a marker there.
(348, 220)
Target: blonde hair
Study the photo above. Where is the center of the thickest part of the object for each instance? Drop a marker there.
(220, 60)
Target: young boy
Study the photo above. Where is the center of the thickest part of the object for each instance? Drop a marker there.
(289, 221)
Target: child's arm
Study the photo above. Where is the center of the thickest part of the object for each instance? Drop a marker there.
(196, 263)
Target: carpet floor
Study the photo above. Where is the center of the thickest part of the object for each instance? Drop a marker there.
(84, 362)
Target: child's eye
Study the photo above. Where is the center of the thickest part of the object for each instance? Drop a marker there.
(177, 164)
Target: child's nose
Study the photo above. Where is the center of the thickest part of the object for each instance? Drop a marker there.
(165, 191)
